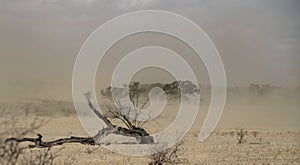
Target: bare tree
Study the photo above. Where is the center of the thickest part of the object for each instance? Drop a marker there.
(132, 125)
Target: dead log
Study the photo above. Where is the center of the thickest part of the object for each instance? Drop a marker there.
(39, 143)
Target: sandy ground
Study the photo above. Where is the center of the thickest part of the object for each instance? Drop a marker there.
(262, 144)
(267, 147)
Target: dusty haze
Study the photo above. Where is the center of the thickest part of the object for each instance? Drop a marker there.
(257, 40)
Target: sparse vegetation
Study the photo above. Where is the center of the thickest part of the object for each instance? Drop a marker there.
(241, 133)
(12, 152)
(173, 155)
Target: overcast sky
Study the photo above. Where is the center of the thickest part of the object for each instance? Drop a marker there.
(259, 41)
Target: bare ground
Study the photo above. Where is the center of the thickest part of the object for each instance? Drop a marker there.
(260, 145)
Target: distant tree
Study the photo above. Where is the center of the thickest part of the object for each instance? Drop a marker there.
(173, 90)
(261, 90)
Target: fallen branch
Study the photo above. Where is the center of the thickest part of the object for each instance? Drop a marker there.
(39, 143)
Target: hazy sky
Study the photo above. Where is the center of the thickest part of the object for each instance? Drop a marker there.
(259, 41)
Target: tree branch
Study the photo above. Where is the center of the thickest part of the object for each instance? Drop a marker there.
(39, 143)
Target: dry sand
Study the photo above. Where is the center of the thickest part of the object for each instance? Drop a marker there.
(272, 135)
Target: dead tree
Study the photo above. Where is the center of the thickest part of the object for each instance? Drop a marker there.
(131, 130)
(142, 136)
